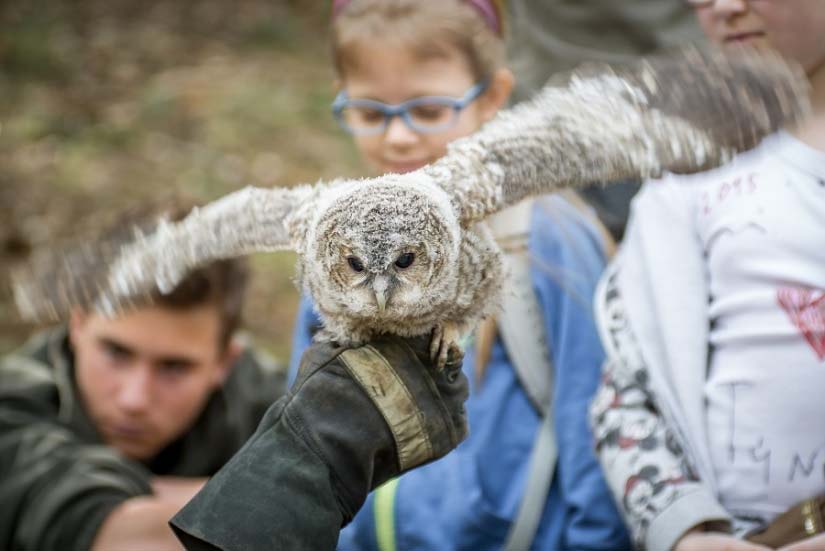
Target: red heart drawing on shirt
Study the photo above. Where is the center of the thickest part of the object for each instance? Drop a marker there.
(806, 308)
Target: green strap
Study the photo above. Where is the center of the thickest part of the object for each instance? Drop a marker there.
(384, 511)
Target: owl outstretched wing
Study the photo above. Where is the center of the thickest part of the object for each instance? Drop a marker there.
(684, 112)
(118, 272)
(687, 111)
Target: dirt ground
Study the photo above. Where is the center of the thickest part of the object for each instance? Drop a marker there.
(107, 103)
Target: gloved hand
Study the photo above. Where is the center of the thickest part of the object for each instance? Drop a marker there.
(355, 418)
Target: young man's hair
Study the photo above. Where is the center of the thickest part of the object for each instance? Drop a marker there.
(429, 29)
(221, 284)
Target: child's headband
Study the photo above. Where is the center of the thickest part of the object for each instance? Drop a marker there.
(490, 10)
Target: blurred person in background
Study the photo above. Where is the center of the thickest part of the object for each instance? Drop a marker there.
(713, 320)
(109, 425)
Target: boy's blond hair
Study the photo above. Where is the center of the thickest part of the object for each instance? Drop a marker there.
(428, 28)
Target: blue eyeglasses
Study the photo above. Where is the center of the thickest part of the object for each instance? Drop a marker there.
(427, 114)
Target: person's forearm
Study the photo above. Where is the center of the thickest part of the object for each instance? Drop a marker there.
(139, 523)
(176, 489)
(630, 459)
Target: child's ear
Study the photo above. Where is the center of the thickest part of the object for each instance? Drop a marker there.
(498, 91)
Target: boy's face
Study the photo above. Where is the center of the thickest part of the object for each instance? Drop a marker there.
(393, 75)
(795, 28)
(145, 377)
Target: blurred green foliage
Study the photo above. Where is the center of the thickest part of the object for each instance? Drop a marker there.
(107, 103)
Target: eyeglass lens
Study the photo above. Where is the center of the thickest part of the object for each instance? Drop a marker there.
(423, 116)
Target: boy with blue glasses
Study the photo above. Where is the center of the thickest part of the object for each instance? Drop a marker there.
(415, 76)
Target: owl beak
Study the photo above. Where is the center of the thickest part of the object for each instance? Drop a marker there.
(380, 286)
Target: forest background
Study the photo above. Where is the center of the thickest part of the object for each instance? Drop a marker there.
(108, 103)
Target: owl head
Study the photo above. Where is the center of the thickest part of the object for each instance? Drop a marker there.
(382, 250)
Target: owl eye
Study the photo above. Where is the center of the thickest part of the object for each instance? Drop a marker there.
(405, 260)
(355, 263)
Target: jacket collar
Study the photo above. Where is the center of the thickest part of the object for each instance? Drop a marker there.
(70, 406)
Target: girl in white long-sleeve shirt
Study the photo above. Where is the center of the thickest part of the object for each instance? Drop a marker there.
(713, 315)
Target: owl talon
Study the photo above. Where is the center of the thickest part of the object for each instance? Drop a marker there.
(442, 356)
(444, 344)
(435, 342)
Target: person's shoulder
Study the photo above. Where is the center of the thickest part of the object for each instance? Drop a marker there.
(255, 382)
(564, 226)
(256, 372)
(32, 365)
(557, 215)
(35, 379)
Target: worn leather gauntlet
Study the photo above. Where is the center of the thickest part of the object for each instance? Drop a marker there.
(355, 418)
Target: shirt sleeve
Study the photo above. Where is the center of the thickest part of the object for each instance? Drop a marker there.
(566, 265)
(640, 447)
(56, 491)
(661, 496)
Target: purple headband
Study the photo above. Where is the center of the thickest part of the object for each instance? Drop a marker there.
(486, 8)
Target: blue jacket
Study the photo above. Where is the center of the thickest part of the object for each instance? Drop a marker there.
(468, 499)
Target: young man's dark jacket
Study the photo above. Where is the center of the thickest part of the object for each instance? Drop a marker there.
(58, 481)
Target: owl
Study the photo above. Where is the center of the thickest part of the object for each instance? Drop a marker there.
(408, 254)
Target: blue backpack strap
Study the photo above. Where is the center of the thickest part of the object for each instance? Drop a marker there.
(521, 327)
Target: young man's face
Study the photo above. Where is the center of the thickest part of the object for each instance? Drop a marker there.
(145, 377)
(795, 28)
(393, 75)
